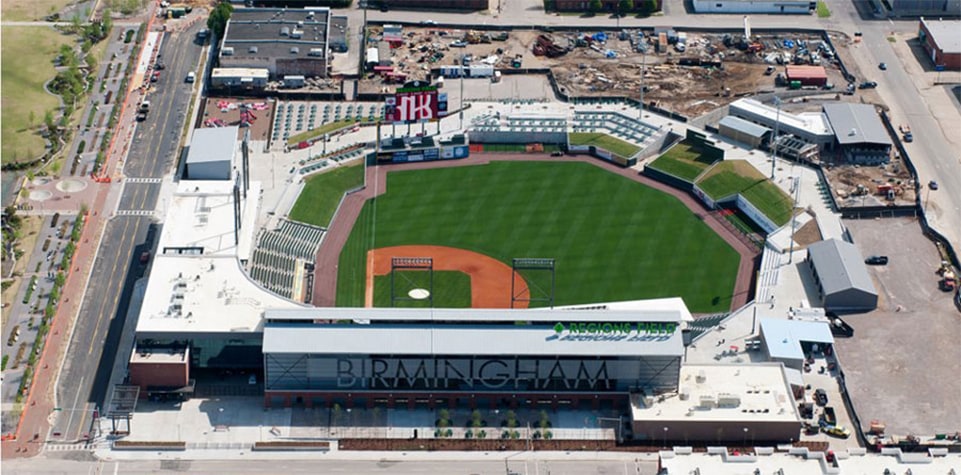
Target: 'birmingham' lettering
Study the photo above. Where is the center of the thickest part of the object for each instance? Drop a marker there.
(465, 374)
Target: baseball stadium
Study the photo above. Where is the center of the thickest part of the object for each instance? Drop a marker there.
(452, 277)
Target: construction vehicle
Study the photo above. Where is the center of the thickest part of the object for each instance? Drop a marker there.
(949, 281)
(518, 61)
(828, 417)
(545, 46)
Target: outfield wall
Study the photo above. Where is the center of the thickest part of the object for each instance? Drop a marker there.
(755, 214)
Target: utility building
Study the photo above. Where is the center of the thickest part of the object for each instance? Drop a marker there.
(841, 277)
(942, 41)
(859, 133)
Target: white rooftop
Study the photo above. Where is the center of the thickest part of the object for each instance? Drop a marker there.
(196, 294)
(201, 214)
(463, 339)
(783, 337)
(193, 290)
(813, 122)
(721, 392)
(656, 310)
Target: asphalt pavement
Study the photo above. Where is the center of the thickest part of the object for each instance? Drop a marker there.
(84, 379)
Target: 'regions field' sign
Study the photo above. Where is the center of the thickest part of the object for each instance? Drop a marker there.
(616, 328)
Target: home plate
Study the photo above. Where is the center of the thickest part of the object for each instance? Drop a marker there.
(418, 294)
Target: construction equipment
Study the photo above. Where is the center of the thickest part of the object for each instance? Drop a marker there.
(949, 281)
(545, 46)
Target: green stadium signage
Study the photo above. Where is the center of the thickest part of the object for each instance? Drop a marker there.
(616, 328)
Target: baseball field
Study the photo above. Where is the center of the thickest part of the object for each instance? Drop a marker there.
(612, 238)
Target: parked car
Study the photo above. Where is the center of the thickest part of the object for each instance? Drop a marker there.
(838, 431)
(868, 85)
(877, 260)
(933, 185)
(821, 397)
(883, 66)
(557, 153)
(458, 44)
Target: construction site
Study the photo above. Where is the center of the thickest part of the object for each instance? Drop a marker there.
(856, 186)
(688, 73)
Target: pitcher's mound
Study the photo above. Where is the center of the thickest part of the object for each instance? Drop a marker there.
(418, 294)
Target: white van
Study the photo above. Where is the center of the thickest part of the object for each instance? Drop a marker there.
(191, 76)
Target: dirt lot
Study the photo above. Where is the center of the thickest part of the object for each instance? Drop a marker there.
(223, 112)
(902, 363)
(589, 67)
(855, 186)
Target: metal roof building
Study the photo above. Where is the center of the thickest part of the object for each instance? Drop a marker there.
(211, 154)
(841, 277)
(859, 132)
(787, 341)
(743, 131)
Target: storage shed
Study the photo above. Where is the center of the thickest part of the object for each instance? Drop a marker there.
(807, 75)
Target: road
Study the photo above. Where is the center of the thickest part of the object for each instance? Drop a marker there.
(85, 376)
(394, 465)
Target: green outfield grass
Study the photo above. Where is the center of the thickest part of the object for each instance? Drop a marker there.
(611, 144)
(739, 176)
(321, 195)
(451, 289)
(612, 238)
(684, 160)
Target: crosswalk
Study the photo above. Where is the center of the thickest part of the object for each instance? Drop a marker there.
(79, 446)
(135, 212)
(144, 180)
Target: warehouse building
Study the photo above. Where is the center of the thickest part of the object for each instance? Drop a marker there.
(754, 6)
(842, 280)
(859, 132)
(740, 130)
(282, 41)
(478, 357)
(933, 8)
(211, 153)
(721, 403)
(942, 41)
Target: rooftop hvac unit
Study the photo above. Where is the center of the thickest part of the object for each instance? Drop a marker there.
(284, 31)
(294, 50)
(728, 400)
(701, 377)
(707, 402)
(296, 33)
(252, 49)
(300, 23)
(685, 395)
(228, 51)
(316, 52)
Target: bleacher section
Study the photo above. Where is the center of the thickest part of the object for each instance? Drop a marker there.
(275, 260)
(615, 124)
(700, 326)
(292, 118)
(492, 123)
(319, 162)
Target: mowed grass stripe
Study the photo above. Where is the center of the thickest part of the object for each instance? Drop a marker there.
(322, 193)
(613, 238)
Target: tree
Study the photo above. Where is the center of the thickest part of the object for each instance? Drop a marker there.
(650, 6)
(625, 6)
(217, 22)
(107, 24)
(595, 6)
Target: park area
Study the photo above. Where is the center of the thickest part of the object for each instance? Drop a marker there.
(28, 63)
(685, 160)
(612, 239)
(322, 193)
(732, 177)
(604, 141)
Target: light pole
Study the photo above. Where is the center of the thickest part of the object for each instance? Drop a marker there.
(665, 437)
(777, 125)
(797, 191)
(745, 436)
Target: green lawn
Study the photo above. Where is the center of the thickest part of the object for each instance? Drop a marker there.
(451, 289)
(31, 10)
(326, 128)
(321, 195)
(27, 63)
(770, 200)
(738, 176)
(684, 160)
(612, 238)
(611, 144)
(822, 9)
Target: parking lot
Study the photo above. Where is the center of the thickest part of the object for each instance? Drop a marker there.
(902, 363)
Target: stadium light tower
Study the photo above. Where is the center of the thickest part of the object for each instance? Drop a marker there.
(777, 125)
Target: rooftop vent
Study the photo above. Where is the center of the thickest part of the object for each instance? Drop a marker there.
(252, 49)
(284, 31)
(294, 50)
(228, 51)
